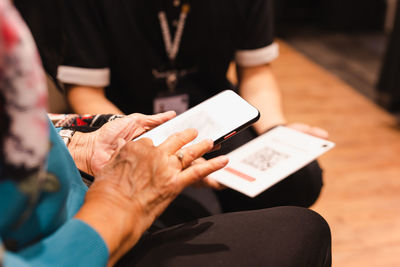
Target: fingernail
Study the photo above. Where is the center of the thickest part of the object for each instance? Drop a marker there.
(194, 130)
(223, 159)
(210, 142)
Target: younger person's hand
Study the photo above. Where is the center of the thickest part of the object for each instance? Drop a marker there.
(315, 131)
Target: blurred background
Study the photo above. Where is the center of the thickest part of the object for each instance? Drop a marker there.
(348, 38)
(343, 58)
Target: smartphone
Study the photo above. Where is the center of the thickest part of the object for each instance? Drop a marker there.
(218, 118)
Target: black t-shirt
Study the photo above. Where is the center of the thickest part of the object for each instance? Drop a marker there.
(119, 44)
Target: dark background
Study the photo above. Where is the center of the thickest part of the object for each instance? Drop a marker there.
(339, 15)
(347, 37)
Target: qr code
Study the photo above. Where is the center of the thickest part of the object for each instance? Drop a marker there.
(265, 158)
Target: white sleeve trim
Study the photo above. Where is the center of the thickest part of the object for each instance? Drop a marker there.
(255, 57)
(84, 76)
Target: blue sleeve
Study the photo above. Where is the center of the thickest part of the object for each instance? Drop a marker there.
(74, 244)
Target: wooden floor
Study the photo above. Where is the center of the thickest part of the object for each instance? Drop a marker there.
(354, 57)
(361, 196)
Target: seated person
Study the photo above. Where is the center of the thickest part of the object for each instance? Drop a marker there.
(49, 217)
(134, 56)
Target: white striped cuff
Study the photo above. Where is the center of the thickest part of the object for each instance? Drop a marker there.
(255, 57)
(84, 76)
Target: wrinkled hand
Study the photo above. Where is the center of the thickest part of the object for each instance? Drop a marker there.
(91, 151)
(315, 131)
(139, 182)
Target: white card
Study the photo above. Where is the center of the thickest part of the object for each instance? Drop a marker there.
(178, 103)
(268, 159)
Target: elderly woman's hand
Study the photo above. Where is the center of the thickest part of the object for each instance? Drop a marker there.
(139, 182)
(91, 151)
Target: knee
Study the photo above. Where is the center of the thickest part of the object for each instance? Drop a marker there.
(317, 238)
(313, 224)
(307, 234)
(312, 174)
(301, 188)
(309, 222)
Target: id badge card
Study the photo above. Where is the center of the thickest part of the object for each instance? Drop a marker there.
(178, 103)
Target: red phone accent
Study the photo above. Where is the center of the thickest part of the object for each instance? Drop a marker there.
(230, 135)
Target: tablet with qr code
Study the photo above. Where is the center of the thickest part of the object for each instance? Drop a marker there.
(268, 159)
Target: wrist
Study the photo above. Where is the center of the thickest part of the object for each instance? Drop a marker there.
(116, 219)
(81, 149)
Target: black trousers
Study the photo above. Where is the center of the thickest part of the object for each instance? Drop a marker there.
(300, 189)
(281, 236)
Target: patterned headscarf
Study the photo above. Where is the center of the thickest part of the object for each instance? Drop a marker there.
(23, 99)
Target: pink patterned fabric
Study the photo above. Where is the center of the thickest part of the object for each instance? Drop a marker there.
(23, 99)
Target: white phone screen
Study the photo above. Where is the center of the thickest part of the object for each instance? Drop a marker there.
(216, 118)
